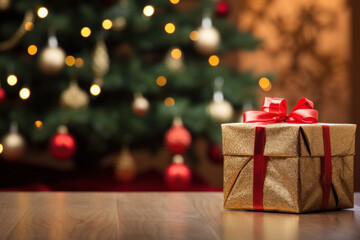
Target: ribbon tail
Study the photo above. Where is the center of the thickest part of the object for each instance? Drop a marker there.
(260, 163)
(326, 168)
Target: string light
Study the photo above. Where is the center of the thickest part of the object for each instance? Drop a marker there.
(12, 80)
(194, 36)
(214, 60)
(161, 81)
(85, 32)
(38, 124)
(169, 28)
(265, 84)
(1, 148)
(148, 11)
(174, 1)
(176, 53)
(32, 49)
(42, 12)
(24, 93)
(169, 102)
(70, 60)
(29, 26)
(79, 62)
(95, 89)
(107, 24)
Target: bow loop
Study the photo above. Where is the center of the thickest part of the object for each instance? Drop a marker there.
(274, 111)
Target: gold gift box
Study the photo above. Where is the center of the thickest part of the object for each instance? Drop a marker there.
(292, 182)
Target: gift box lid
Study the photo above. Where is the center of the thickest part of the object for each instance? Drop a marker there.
(283, 139)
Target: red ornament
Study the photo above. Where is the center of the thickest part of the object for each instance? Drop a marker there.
(62, 145)
(2, 95)
(178, 174)
(215, 154)
(222, 8)
(177, 138)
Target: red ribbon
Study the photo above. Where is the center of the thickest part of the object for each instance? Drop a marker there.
(274, 111)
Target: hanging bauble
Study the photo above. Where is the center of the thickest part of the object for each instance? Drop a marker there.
(125, 167)
(100, 60)
(62, 145)
(74, 97)
(52, 57)
(177, 138)
(4, 4)
(178, 174)
(140, 105)
(13, 145)
(222, 8)
(174, 60)
(119, 23)
(220, 111)
(215, 153)
(2, 95)
(208, 38)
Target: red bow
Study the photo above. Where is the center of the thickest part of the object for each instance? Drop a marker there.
(274, 111)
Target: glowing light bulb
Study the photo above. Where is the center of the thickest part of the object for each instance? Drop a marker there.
(169, 28)
(1, 148)
(95, 89)
(24, 93)
(42, 12)
(148, 11)
(12, 80)
(32, 49)
(214, 60)
(70, 60)
(176, 53)
(161, 81)
(85, 32)
(169, 102)
(107, 24)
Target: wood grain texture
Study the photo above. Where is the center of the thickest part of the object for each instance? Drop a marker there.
(83, 215)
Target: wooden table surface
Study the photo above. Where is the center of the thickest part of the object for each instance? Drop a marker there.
(84, 215)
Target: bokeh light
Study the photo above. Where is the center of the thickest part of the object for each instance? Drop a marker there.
(85, 32)
(194, 35)
(79, 62)
(24, 93)
(169, 28)
(95, 89)
(29, 26)
(42, 12)
(148, 11)
(1, 148)
(38, 124)
(70, 60)
(107, 24)
(161, 81)
(169, 102)
(174, 1)
(176, 53)
(214, 60)
(265, 84)
(32, 49)
(12, 80)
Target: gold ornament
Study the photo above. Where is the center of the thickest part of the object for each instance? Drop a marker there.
(52, 57)
(74, 97)
(125, 169)
(140, 105)
(100, 61)
(208, 38)
(4, 4)
(14, 39)
(14, 145)
(174, 62)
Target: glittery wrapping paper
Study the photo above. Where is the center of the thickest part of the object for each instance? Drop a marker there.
(292, 182)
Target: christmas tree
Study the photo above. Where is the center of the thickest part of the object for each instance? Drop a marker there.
(117, 73)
